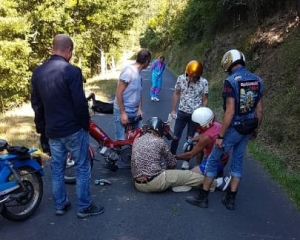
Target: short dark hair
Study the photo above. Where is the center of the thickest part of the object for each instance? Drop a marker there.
(62, 42)
(143, 56)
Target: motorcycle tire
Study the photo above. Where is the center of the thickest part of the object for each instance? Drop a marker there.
(125, 160)
(70, 173)
(22, 207)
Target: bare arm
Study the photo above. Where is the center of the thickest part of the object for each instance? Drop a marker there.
(259, 111)
(259, 115)
(119, 95)
(228, 115)
(175, 99)
(227, 118)
(204, 100)
(140, 111)
(203, 141)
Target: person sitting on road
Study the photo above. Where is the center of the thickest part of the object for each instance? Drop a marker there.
(204, 119)
(146, 168)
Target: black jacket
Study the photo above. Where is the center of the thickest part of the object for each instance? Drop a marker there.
(58, 99)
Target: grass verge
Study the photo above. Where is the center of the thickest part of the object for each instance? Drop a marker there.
(17, 127)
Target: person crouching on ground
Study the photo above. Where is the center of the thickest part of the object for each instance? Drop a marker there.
(205, 122)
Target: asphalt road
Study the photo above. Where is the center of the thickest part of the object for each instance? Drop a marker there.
(263, 210)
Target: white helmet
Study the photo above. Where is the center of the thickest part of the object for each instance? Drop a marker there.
(231, 58)
(204, 116)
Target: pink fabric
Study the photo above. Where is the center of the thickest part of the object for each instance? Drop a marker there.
(212, 132)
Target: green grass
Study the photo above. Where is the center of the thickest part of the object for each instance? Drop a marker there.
(103, 89)
(19, 130)
(278, 171)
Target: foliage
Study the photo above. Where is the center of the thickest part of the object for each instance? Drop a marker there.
(281, 123)
(14, 85)
(189, 21)
(195, 20)
(95, 26)
(14, 56)
(158, 34)
(187, 24)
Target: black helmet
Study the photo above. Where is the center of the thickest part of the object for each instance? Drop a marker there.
(156, 124)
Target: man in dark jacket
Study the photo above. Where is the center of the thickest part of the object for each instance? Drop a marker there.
(61, 111)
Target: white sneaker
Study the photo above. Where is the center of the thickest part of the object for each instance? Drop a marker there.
(152, 99)
(185, 165)
(156, 99)
(225, 183)
(181, 188)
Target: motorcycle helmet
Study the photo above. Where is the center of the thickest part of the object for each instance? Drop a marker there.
(156, 124)
(194, 69)
(232, 58)
(204, 116)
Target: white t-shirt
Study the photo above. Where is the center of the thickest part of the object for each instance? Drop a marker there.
(132, 93)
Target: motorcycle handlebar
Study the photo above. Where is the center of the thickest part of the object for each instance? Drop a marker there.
(134, 119)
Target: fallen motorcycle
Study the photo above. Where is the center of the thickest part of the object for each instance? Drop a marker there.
(112, 151)
(21, 185)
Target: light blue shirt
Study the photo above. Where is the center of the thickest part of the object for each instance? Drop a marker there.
(132, 93)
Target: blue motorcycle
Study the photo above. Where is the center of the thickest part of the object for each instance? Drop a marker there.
(21, 185)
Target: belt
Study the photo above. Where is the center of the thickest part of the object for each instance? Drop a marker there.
(145, 179)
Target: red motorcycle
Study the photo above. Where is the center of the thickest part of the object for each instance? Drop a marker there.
(112, 151)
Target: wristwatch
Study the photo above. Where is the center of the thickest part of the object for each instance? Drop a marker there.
(219, 137)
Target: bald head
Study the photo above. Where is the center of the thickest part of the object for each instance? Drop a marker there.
(63, 46)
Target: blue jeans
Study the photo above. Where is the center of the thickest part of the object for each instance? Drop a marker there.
(77, 145)
(235, 142)
(182, 120)
(119, 127)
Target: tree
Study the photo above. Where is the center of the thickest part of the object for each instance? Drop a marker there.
(28, 27)
(14, 56)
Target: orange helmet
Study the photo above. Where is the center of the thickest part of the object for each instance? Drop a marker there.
(194, 69)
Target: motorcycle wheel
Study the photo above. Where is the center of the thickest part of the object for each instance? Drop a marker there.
(125, 161)
(70, 173)
(23, 207)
